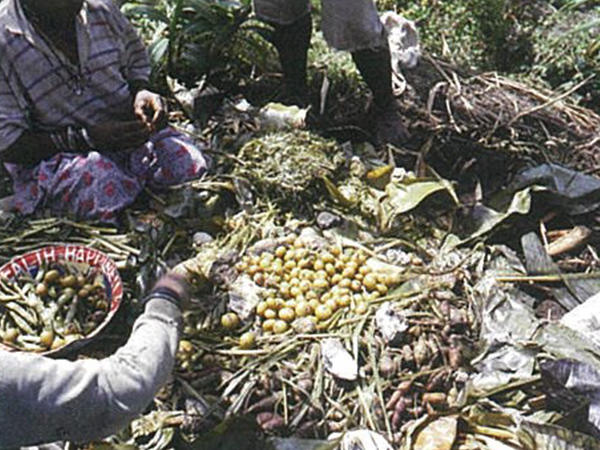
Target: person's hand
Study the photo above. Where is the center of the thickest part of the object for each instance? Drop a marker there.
(151, 109)
(177, 283)
(191, 270)
(119, 135)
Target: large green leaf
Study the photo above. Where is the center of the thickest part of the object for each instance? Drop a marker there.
(158, 51)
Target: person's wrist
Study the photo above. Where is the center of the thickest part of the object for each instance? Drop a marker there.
(165, 294)
(171, 287)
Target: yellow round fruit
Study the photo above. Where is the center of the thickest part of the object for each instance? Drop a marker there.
(327, 258)
(345, 283)
(330, 269)
(332, 304)
(356, 285)
(284, 289)
(307, 274)
(320, 284)
(68, 281)
(314, 304)
(41, 289)
(348, 272)
(230, 321)
(287, 314)
(318, 265)
(303, 309)
(280, 251)
(267, 325)
(247, 340)
(277, 267)
(280, 327)
(364, 270)
(323, 312)
(305, 263)
(252, 270)
(51, 276)
(352, 265)
(311, 295)
(265, 264)
(305, 285)
(370, 281)
(292, 303)
(185, 346)
(382, 278)
(321, 274)
(47, 338)
(381, 288)
(301, 253)
(344, 301)
(374, 295)
(270, 314)
(271, 303)
(335, 279)
(335, 250)
(394, 279)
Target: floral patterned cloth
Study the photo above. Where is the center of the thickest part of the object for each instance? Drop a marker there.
(98, 186)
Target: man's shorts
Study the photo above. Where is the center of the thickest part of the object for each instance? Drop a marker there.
(347, 24)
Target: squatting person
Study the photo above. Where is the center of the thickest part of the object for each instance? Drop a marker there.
(79, 132)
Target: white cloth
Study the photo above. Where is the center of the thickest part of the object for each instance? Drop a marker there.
(45, 400)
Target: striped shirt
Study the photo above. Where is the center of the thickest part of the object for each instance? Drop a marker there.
(40, 89)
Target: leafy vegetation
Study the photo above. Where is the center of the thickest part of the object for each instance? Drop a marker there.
(555, 43)
(192, 39)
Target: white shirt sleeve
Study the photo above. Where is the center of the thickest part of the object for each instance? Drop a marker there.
(45, 400)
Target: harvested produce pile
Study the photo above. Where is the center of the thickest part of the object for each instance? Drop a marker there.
(60, 304)
(302, 282)
(273, 364)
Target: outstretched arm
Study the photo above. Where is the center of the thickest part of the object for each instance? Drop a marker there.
(53, 400)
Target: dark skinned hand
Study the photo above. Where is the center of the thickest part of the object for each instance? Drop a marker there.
(119, 135)
(151, 109)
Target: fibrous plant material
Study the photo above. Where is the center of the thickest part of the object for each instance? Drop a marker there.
(288, 164)
(491, 114)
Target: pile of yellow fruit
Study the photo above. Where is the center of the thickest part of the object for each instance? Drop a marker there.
(301, 282)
